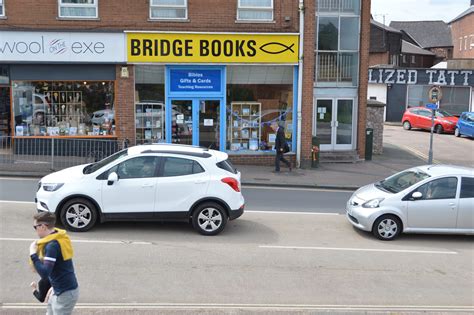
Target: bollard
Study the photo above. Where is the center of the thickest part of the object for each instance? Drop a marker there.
(369, 143)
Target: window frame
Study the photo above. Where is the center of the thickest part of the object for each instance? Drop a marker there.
(2, 5)
(164, 159)
(255, 8)
(463, 178)
(77, 5)
(339, 52)
(167, 6)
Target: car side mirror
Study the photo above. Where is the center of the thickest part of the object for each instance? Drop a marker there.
(113, 177)
(417, 195)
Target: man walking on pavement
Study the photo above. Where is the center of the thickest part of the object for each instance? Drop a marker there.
(52, 258)
(281, 147)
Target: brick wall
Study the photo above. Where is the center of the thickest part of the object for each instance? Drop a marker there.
(462, 32)
(264, 160)
(308, 81)
(378, 59)
(363, 75)
(203, 15)
(124, 105)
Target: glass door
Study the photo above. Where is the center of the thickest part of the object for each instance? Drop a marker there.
(209, 111)
(324, 122)
(344, 125)
(334, 123)
(182, 121)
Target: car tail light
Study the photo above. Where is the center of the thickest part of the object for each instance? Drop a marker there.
(232, 182)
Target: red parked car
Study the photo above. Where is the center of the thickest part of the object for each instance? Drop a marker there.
(420, 117)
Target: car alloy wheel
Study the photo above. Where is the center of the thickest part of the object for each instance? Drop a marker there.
(78, 215)
(406, 125)
(457, 133)
(209, 219)
(387, 227)
(439, 129)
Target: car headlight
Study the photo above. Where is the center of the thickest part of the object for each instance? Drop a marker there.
(374, 203)
(52, 187)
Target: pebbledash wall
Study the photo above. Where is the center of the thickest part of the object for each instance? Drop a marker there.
(138, 86)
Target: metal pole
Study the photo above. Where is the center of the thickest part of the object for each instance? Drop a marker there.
(430, 153)
(52, 153)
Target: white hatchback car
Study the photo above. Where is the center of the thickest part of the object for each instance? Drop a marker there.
(425, 199)
(147, 182)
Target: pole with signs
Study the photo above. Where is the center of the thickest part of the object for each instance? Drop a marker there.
(434, 95)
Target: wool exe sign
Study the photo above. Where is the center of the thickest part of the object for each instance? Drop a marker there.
(422, 76)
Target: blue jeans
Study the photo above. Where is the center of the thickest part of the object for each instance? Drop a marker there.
(64, 303)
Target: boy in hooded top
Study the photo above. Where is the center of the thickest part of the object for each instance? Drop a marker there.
(51, 256)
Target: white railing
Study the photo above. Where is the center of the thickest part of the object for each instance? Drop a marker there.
(336, 5)
(334, 67)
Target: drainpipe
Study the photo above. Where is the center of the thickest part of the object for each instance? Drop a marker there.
(300, 84)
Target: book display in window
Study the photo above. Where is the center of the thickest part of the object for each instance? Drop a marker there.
(245, 128)
(149, 122)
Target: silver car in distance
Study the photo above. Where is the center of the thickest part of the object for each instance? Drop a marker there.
(424, 199)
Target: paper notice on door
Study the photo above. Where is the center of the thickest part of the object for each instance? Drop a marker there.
(320, 109)
(323, 110)
(321, 116)
(208, 122)
(179, 117)
(180, 121)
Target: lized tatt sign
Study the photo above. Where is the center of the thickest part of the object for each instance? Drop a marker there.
(212, 48)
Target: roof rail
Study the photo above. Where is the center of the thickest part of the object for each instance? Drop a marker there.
(195, 154)
(179, 145)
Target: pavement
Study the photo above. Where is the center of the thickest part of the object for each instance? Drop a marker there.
(346, 176)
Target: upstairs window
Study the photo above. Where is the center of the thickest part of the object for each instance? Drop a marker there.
(255, 10)
(79, 9)
(2, 10)
(168, 9)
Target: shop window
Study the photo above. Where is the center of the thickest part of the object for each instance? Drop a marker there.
(413, 59)
(149, 104)
(255, 10)
(258, 96)
(83, 9)
(455, 99)
(337, 49)
(69, 108)
(168, 9)
(2, 10)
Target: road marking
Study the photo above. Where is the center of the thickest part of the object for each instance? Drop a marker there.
(20, 202)
(21, 178)
(361, 249)
(275, 307)
(248, 186)
(79, 241)
(290, 212)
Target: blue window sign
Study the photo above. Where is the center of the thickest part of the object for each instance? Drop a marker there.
(432, 106)
(195, 80)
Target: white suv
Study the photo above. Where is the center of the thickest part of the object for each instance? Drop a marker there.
(147, 182)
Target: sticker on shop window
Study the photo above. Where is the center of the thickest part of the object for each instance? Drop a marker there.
(209, 122)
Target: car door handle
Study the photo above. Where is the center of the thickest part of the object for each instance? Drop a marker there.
(148, 185)
(199, 181)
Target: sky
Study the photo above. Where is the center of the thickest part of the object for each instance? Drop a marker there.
(417, 10)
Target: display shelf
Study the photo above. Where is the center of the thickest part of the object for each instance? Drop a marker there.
(245, 128)
(149, 122)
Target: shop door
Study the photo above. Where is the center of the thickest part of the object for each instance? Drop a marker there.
(182, 121)
(196, 122)
(209, 111)
(334, 123)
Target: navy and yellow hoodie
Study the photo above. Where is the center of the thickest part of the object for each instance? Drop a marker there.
(54, 261)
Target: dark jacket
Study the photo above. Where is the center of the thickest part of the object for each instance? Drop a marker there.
(280, 141)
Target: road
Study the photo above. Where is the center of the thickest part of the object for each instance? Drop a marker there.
(285, 255)
(446, 147)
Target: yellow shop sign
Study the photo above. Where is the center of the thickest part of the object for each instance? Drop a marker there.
(212, 48)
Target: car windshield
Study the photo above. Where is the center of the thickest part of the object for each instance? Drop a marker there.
(91, 168)
(442, 113)
(401, 181)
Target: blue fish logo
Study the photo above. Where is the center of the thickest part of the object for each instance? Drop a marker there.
(275, 48)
